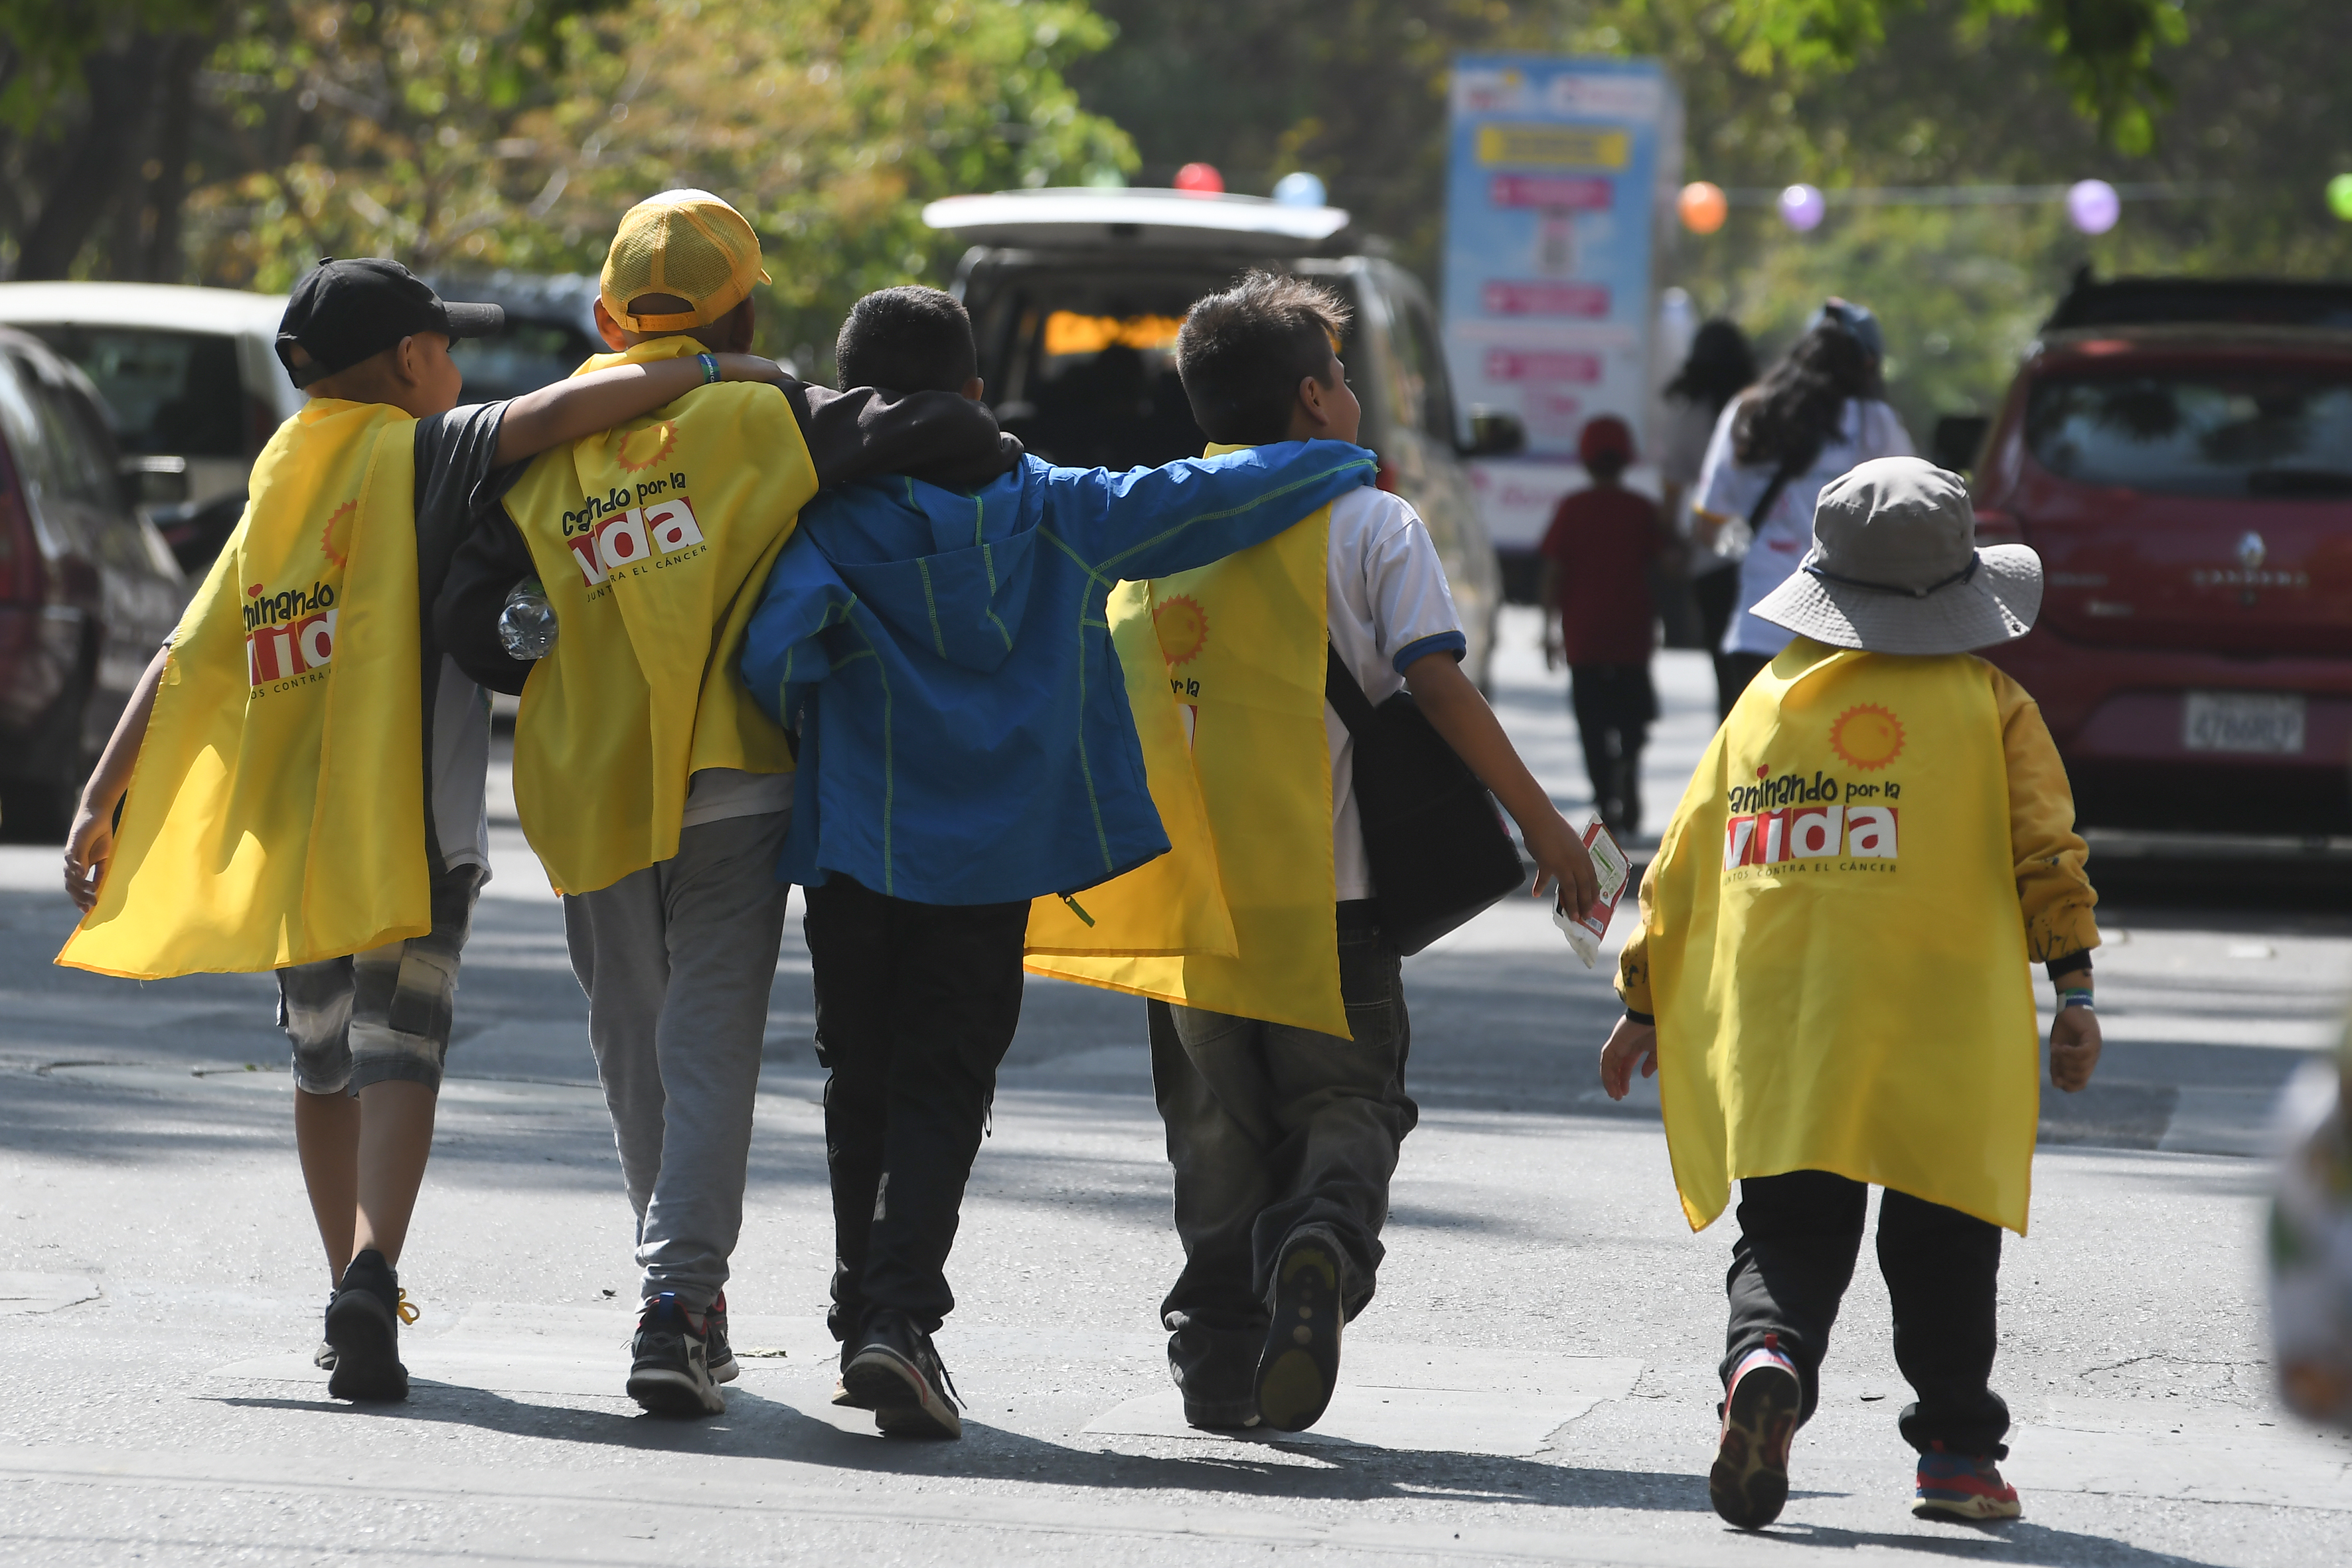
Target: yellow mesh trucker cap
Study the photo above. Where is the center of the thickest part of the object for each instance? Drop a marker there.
(686, 243)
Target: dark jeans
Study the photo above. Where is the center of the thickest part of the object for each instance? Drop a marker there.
(1799, 1237)
(1614, 704)
(1274, 1130)
(915, 1006)
(1733, 671)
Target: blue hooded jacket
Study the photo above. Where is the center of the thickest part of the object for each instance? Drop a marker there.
(964, 731)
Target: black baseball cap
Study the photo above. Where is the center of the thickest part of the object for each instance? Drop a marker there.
(349, 310)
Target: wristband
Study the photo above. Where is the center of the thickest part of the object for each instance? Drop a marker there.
(1647, 1020)
(710, 368)
(2076, 998)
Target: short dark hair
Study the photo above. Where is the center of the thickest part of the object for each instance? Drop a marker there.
(1241, 354)
(909, 338)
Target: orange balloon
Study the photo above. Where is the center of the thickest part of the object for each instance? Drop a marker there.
(1703, 206)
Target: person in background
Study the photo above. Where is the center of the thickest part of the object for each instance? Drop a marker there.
(2310, 1244)
(1596, 576)
(1721, 367)
(1820, 412)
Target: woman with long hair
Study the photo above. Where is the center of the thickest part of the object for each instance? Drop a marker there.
(1719, 368)
(1818, 413)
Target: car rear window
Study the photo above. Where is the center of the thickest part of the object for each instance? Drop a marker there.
(172, 392)
(1083, 367)
(2267, 432)
(528, 353)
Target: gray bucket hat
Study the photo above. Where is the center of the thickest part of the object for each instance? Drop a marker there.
(1895, 568)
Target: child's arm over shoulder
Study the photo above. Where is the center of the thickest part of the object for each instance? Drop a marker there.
(1150, 523)
(2052, 888)
(582, 405)
(938, 436)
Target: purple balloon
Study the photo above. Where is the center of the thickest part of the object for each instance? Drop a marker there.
(2092, 207)
(1803, 207)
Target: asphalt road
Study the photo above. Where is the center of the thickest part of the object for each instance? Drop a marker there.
(1534, 1383)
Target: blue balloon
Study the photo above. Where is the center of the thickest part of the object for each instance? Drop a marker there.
(1299, 189)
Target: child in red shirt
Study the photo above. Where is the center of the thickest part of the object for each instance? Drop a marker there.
(1596, 576)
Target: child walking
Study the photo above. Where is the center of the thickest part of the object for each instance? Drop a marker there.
(965, 746)
(1596, 582)
(653, 791)
(1831, 978)
(1279, 1069)
(301, 733)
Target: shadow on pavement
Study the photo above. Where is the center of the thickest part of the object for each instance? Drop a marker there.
(2019, 1540)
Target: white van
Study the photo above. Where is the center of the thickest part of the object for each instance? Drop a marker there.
(191, 378)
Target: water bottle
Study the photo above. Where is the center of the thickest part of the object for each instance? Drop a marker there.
(526, 624)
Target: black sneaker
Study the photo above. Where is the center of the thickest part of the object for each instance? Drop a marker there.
(1215, 1371)
(364, 1331)
(669, 1373)
(896, 1375)
(323, 1358)
(714, 1335)
(1299, 1366)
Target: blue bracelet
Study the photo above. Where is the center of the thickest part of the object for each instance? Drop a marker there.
(710, 368)
(2075, 999)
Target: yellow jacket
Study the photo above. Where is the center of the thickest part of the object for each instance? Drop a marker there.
(1835, 933)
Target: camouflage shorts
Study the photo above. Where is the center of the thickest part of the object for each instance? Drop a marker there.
(385, 1014)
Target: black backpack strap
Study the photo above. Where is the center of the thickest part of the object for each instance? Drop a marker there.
(1345, 696)
(1780, 478)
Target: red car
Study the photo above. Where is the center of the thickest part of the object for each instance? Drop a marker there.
(2180, 455)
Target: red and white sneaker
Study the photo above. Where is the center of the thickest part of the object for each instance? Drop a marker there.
(1750, 1482)
(1963, 1486)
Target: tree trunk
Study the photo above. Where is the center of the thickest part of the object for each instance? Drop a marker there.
(103, 160)
(158, 261)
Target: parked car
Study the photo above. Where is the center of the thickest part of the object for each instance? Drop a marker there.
(88, 587)
(193, 380)
(2181, 454)
(1075, 296)
(551, 327)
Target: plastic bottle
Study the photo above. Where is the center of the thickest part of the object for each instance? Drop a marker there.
(526, 624)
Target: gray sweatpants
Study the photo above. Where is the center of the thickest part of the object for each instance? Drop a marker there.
(678, 960)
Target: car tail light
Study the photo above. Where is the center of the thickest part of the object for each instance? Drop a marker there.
(1999, 528)
(20, 553)
(260, 423)
(1385, 475)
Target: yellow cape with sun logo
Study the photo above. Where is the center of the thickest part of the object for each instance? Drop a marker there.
(1836, 952)
(652, 540)
(1224, 670)
(277, 812)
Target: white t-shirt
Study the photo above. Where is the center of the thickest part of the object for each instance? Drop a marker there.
(1727, 487)
(461, 765)
(1389, 606)
(715, 795)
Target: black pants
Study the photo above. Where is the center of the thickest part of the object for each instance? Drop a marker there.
(1614, 704)
(916, 1006)
(1733, 671)
(1799, 1237)
(1274, 1130)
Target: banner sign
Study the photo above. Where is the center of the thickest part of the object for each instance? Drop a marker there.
(1552, 185)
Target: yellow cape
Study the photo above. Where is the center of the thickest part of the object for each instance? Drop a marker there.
(277, 812)
(1225, 668)
(652, 540)
(1837, 955)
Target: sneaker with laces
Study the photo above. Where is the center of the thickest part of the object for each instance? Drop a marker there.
(714, 1334)
(897, 1374)
(364, 1331)
(1299, 1367)
(669, 1369)
(1963, 1486)
(1750, 1482)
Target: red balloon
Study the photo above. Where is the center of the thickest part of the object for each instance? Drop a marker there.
(1201, 179)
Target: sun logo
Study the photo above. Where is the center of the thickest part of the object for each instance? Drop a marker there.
(1183, 628)
(1869, 737)
(665, 436)
(335, 539)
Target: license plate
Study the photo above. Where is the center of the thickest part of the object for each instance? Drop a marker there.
(2242, 721)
